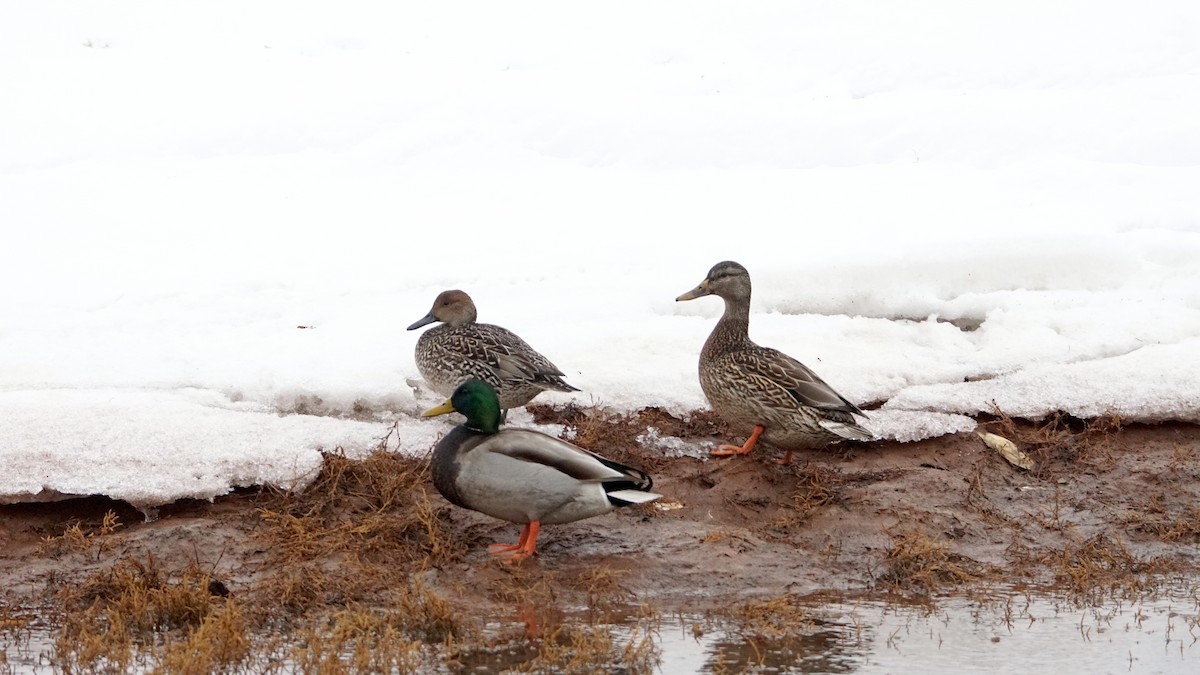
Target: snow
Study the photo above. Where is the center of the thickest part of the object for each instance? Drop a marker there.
(146, 447)
(219, 218)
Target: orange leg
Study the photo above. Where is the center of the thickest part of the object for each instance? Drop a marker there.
(727, 450)
(524, 548)
(787, 459)
(503, 549)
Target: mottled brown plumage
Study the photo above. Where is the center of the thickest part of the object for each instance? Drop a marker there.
(752, 386)
(461, 349)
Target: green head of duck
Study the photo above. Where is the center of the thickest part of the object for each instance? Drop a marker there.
(477, 401)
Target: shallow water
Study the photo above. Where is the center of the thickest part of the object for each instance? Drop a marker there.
(1014, 634)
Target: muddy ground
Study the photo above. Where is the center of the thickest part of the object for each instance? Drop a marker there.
(369, 563)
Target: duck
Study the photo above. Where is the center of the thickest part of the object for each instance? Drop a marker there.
(761, 391)
(524, 476)
(461, 349)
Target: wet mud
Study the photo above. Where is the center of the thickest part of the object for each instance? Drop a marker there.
(1107, 508)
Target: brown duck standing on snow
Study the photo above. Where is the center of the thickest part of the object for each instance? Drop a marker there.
(762, 391)
(461, 349)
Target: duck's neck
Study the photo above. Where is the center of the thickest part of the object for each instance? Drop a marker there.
(445, 465)
(732, 331)
(485, 420)
(488, 428)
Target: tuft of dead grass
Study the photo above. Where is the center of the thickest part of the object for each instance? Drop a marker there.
(817, 486)
(77, 537)
(917, 562)
(361, 534)
(574, 649)
(1155, 517)
(1060, 436)
(146, 597)
(611, 434)
(1183, 461)
(1170, 527)
(360, 640)
(221, 640)
(11, 619)
(603, 589)
(121, 615)
(615, 434)
(361, 528)
(424, 614)
(768, 619)
(696, 424)
(1103, 563)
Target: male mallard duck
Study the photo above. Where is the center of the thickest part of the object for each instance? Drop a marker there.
(524, 476)
(762, 391)
(461, 349)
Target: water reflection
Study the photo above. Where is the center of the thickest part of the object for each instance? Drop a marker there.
(824, 651)
(1005, 633)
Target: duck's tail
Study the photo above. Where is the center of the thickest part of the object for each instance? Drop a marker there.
(633, 489)
(627, 497)
(556, 383)
(849, 430)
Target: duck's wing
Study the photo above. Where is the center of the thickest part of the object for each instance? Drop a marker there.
(531, 446)
(511, 358)
(799, 381)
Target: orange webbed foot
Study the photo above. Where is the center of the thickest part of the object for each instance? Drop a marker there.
(509, 549)
(524, 548)
(730, 450)
(515, 557)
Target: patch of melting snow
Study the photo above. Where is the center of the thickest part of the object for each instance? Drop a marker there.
(907, 426)
(671, 446)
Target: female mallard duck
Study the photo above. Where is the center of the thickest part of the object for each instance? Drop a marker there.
(524, 476)
(461, 349)
(762, 391)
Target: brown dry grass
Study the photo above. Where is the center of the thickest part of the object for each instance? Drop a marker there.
(1183, 462)
(1059, 436)
(366, 569)
(377, 507)
(917, 562)
(566, 647)
(696, 424)
(362, 532)
(589, 649)
(361, 529)
(1170, 527)
(615, 434)
(359, 640)
(817, 487)
(80, 537)
(767, 619)
(1103, 564)
(135, 613)
(1155, 515)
